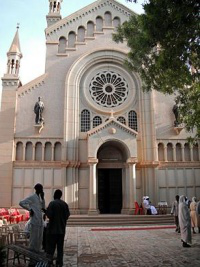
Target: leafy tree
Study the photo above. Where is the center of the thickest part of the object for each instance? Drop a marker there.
(164, 50)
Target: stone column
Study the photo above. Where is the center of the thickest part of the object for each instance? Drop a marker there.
(24, 152)
(165, 153)
(132, 184)
(174, 152)
(52, 152)
(43, 148)
(92, 187)
(191, 152)
(182, 152)
(33, 154)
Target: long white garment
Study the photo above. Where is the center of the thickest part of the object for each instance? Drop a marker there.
(184, 221)
(153, 210)
(35, 203)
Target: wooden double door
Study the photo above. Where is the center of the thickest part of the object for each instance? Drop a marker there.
(110, 191)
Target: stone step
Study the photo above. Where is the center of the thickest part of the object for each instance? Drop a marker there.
(119, 220)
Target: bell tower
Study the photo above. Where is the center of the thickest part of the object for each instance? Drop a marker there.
(54, 12)
(10, 84)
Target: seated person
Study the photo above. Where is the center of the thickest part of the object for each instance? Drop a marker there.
(149, 208)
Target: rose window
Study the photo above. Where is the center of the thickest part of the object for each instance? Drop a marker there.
(108, 89)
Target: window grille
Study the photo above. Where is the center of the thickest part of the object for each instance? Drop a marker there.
(132, 120)
(85, 120)
(97, 121)
(122, 120)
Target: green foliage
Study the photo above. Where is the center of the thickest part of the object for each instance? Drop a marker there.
(2, 256)
(164, 50)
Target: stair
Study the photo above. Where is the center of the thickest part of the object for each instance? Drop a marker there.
(119, 220)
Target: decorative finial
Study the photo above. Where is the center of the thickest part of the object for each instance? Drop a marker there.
(18, 26)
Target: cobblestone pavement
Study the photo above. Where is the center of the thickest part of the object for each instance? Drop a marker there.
(153, 248)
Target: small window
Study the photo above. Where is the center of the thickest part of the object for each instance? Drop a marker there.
(81, 34)
(38, 151)
(160, 152)
(47, 151)
(122, 120)
(71, 39)
(108, 19)
(132, 120)
(29, 151)
(57, 151)
(85, 120)
(178, 152)
(19, 151)
(62, 45)
(116, 23)
(169, 152)
(99, 24)
(90, 29)
(97, 121)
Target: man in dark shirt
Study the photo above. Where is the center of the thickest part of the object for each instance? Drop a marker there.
(58, 214)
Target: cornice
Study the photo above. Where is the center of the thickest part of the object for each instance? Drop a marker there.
(78, 15)
(110, 122)
(34, 84)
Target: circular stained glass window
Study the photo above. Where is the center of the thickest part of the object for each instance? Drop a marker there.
(108, 89)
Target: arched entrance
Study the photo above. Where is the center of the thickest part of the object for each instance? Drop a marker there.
(111, 156)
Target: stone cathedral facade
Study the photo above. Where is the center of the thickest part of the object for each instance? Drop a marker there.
(100, 138)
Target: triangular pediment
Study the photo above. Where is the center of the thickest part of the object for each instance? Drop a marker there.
(70, 22)
(112, 125)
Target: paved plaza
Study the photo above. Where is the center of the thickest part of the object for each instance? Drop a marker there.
(121, 248)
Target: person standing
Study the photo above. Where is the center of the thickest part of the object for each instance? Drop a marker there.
(58, 214)
(193, 214)
(198, 215)
(174, 212)
(35, 204)
(184, 222)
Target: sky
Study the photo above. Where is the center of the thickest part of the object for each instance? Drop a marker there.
(31, 15)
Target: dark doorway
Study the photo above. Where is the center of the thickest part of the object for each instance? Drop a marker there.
(110, 191)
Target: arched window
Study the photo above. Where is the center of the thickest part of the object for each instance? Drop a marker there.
(38, 151)
(28, 151)
(178, 152)
(71, 39)
(108, 19)
(116, 22)
(187, 152)
(57, 151)
(97, 121)
(62, 45)
(19, 151)
(47, 151)
(90, 29)
(160, 152)
(169, 152)
(132, 120)
(85, 120)
(122, 120)
(195, 152)
(81, 34)
(99, 24)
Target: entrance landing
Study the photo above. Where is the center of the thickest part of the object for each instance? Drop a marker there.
(119, 220)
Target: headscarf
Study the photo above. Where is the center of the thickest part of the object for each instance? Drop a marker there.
(194, 199)
(182, 199)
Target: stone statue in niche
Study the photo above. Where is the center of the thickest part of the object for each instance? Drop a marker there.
(176, 114)
(38, 109)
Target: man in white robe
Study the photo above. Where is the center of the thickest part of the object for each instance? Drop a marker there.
(184, 222)
(35, 204)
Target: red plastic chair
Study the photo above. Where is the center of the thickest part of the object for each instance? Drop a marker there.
(15, 216)
(4, 214)
(138, 209)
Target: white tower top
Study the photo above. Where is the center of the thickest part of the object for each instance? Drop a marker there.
(14, 55)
